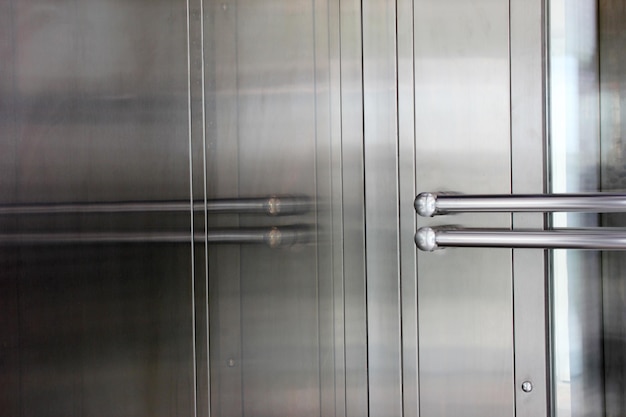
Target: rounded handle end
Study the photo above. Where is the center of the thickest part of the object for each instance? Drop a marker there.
(426, 239)
(426, 204)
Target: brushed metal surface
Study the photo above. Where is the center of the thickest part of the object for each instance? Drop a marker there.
(277, 143)
(274, 120)
(407, 218)
(9, 263)
(225, 341)
(353, 189)
(93, 114)
(193, 102)
(382, 210)
(462, 119)
(95, 108)
(529, 175)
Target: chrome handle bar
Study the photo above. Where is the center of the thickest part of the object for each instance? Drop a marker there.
(430, 239)
(433, 204)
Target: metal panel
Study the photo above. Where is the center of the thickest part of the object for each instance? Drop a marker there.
(406, 180)
(329, 218)
(153, 102)
(9, 302)
(8, 109)
(277, 144)
(98, 111)
(335, 404)
(462, 124)
(275, 127)
(612, 15)
(222, 154)
(197, 192)
(528, 176)
(382, 212)
(353, 209)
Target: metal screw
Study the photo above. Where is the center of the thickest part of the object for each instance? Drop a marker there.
(527, 386)
(231, 363)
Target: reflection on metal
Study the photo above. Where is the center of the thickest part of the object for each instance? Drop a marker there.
(610, 358)
(273, 237)
(275, 206)
(433, 204)
(430, 239)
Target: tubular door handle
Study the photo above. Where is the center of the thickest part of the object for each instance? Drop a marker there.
(433, 204)
(430, 239)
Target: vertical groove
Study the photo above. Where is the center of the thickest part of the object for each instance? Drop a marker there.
(602, 218)
(316, 209)
(399, 211)
(367, 342)
(512, 217)
(343, 243)
(547, 218)
(415, 268)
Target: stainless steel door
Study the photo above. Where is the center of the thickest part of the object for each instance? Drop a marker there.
(566, 320)
(438, 115)
(469, 332)
(206, 207)
(462, 143)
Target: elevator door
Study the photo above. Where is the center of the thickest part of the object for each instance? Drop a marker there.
(206, 208)
(518, 134)
(453, 103)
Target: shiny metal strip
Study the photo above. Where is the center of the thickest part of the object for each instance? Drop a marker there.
(191, 238)
(407, 217)
(528, 176)
(430, 239)
(204, 311)
(273, 237)
(433, 204)
(269, 205)
(382, 234)
(353, 208)
(611, 21)
(328, 220)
